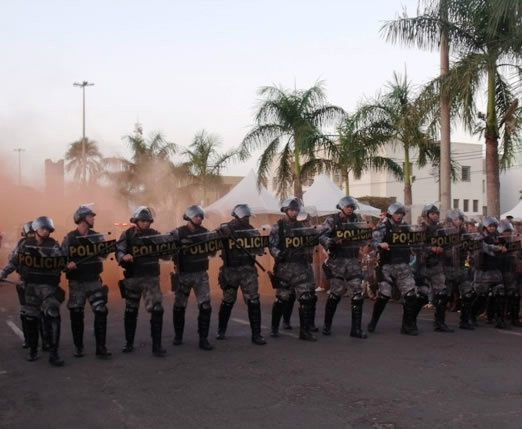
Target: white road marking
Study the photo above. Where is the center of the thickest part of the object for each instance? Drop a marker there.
(518, 334)
(18, 332)
(246, 322)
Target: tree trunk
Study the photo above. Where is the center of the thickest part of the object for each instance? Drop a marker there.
(407, 184)
(492, 168)
(445, 133)
(347, 183)
(298, 187)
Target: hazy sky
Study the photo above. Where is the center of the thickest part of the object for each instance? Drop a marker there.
(180, 66)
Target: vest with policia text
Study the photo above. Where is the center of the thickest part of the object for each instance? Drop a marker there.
(82, 250)
(192, 258)
(40, 263)
(399, 252)
(144, 252)
(347, 236)
(295, 246)
(491, 262)
(245, 237)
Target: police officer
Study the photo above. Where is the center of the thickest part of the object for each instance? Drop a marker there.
(191, 273)
(509, 274)
(292, 270)
(83, 273)
(394, 269)
(141, 273)
(457, 269)
(42, 293)
(432, 267)
(488, 274)
(239, 270)
(343, 266)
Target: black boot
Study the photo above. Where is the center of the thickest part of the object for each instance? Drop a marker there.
(277, 313)
(77, 331)
(313, 328)
(204, 325)
(156, 327)
(178, 317)
(44, 334)
(329, 312)
(515, 310)
(465, 312)
(490, 309)
(224, 315)
(31, 325)
(100, 333)
(500, 308)
(54, 339)
(305, 317)
(476, 308)
(441, 302)
(378, 308)
(422, 300)
(409, 315)
(25, 344)
(130, 322)
(357, 307)
(254, 315)
(287, 312)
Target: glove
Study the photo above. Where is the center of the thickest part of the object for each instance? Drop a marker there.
(331, 243)
(225, 230)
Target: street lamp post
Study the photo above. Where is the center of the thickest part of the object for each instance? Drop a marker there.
(82, 85)
(19, 150)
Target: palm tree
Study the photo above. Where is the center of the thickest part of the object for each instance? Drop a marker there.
(486, 39)
(404, 116)
(88, 170)
(357, 150)
(288, 126)
(204, 162)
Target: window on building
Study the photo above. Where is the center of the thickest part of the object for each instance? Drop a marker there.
(475, 206)
(456, 203)
(484, 210)
(466, 173)
(466, 206)
(483, 186)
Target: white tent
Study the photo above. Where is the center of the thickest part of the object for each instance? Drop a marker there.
(323, 195)
(516, 211)
(246, 192)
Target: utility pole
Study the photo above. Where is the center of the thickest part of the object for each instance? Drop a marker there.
(19, 150)
(82, 85)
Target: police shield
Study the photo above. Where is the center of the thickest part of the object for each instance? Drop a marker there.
(352, 234)
(413, 236)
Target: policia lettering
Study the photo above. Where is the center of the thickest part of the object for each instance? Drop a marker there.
(300, 241)
(445, 240)
(92, 249)
(43, 262)
(354, 234)
(160, 249)
(255, 242)
(408, 237)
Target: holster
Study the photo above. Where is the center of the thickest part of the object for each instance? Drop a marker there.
(121, 285)
(174, 281)
(20, 290)
(59, 294)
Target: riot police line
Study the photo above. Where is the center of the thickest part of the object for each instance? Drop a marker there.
(423, 263)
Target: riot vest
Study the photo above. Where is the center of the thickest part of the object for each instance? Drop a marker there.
(83, 250)
(342, 231)
(145, 260)
(244, 238)
(456, 255)
(432, 259)
(491, 262)
(41, 263)
(192, 258)
(295, 246)
(399, 252)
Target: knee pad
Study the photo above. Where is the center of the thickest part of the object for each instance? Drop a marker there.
(254, 301)
(76, 310)
(205, 306)
(471, 295)
(357, 297)
(157, 308)
(314, 297)
(305, 297)
(53, 312)
(131, 311)
(334, 297)
(179, 309)
(278, 300)
(101, 309)
(382, 297)
(423, 299)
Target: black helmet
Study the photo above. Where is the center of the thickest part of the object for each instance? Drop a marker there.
(291, 203)
(81, 212)
(241, 210)
(505, 226)
(43, 222)
(347, 201)
(27, 228)
(193, 211)
(489, 220)
(454, 214)
(396, 208)
(142, 213)
(429, 208)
